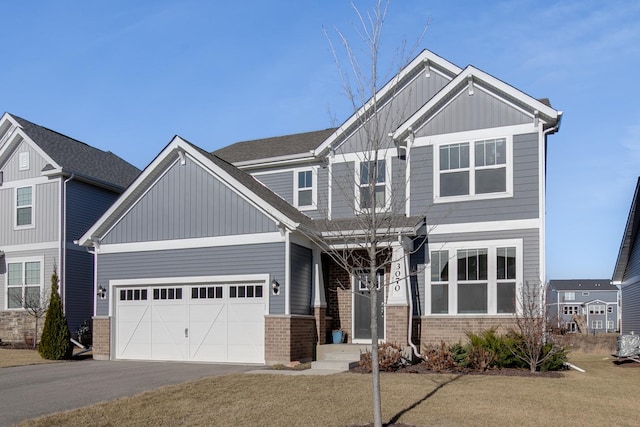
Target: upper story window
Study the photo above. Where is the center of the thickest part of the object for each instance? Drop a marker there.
(24, 283)
(24, 207)
(372, 185)
(569, 296)
(305, 189)
(472, 170)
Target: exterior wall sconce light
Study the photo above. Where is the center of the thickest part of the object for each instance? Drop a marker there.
(275, 286)
(102, 292)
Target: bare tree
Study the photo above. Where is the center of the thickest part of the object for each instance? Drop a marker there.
(363, 243)
(534, 345)
(35, 304)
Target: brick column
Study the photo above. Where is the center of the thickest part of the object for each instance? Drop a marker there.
(322, 324)
(397, 317)
(102, 338)
(288, 338)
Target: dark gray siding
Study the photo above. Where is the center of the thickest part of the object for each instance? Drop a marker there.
(280, 183)
(267, 258)
(301, 279)
(46, 216)
(79, 288)
(342, 190)
(631, 292)
(406, 102)
(188, 202)
(479, 111)
(523, 205)
(85, 204)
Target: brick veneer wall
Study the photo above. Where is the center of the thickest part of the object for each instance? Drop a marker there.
(18, 326)
(289, 338)
(101, 338)
(397, 318)
(453, 329)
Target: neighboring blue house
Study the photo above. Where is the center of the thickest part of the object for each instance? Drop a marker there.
(223, 256)
(597, 301)
(626, 273)
(52, 189)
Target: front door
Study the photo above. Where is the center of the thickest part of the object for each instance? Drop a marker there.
(362, 307)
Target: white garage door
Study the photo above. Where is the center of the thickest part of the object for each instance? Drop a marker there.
(200, 322)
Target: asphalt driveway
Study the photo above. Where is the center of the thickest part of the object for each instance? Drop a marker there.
(30, 391)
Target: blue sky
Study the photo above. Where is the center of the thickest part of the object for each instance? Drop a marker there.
(127, 75)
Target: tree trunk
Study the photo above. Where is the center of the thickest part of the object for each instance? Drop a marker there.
(375, 363)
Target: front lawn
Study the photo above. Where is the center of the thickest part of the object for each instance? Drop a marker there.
(605, 395)
(20, 357)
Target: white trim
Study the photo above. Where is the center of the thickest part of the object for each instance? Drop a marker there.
(25, 182)
(199, 242)
(22, 260)
(418, 61)
(479, 227)
(314, 188)
(31, 247)
(472, 168)
(184, 280)
(477, 76)
(479, 134)
(287, 273)
(492, 281)
(542, 196)
(16, 207)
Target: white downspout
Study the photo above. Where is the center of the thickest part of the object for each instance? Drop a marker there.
(63, 254)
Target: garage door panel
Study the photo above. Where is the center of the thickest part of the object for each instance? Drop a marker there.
(204, 322)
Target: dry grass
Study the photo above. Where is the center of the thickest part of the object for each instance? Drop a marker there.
(20, 357)
(605, 394)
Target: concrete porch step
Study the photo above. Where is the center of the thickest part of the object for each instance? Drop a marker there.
(334, 365)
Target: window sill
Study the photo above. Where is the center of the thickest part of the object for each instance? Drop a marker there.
(475, 197)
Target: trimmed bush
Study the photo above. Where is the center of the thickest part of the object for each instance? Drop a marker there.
(55, 343)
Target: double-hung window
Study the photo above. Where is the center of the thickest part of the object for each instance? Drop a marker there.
(372, 185)
(24, 283)
(305, 189)
(439, 282)
(24, 206)
(472, 281)
(506, 280)
(475, 169)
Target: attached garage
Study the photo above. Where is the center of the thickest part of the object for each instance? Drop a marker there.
(214, 321)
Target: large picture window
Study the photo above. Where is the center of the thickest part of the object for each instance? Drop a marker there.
(473, 168)
(481, 278)
(24, 283)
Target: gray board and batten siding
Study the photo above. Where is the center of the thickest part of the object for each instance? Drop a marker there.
(396, 108)
(189, 202)
(471, 112)
(301, 279)
(85, 204)
(264, 258)
(45, 215)
(11, 169)
(523, 205)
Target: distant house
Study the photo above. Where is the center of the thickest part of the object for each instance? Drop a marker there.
(52, 188)
(597, 301)
(224, 256)
(627, 269)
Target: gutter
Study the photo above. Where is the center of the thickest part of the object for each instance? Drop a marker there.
(63, 255)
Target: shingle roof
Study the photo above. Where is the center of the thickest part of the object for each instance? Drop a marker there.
(628, 237)
(582, 285)
(301, 143)
(80, 158)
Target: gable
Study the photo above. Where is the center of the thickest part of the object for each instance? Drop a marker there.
(464, 112)
(11, 168)
(188, 201)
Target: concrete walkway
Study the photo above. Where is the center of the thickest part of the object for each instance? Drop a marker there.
(30, 391)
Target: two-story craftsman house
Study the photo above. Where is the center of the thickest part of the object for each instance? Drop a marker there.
(224, 256)
(52, 189)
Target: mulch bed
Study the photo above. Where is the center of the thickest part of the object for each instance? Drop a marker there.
(510, 372)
